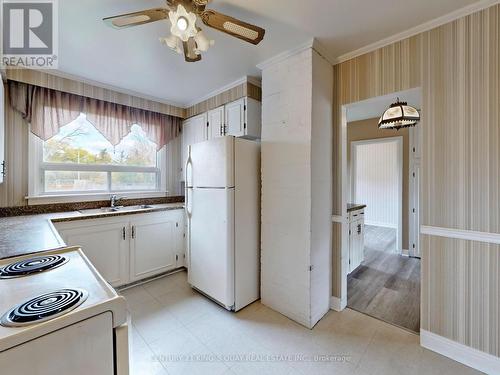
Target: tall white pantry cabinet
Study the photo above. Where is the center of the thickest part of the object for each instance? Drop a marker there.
(297, 186)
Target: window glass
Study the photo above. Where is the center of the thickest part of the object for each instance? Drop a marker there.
(75, 181)
(80, 142)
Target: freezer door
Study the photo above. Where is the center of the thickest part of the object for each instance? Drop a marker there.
(212, 163)
(211, 244)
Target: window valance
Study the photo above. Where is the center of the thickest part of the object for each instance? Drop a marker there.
(47, 110)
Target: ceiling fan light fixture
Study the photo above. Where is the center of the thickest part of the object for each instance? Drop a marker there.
(202, 42)
(399, 115)
(183, 23)
(173, 43)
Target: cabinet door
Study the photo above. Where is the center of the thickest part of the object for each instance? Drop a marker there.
(152, 246)
(106, 246)
(179, 238)
(194, 130)
(199, 128)
(235, 118)
(216, 122)
(356, 244)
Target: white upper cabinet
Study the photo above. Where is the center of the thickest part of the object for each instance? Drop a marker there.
(235, 118)
(216, 123)
(241, 118)
(2, 133)
(194, 130)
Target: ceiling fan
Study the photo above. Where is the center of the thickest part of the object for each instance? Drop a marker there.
(186, 37)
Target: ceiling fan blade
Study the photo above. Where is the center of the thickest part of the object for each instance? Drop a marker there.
(136, 18)
(189, 48)
(232, 26)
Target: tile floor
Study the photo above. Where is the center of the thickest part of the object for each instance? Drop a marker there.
(177, 331)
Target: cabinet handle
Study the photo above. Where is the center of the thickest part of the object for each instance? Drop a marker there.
(220, 130)
(3, 168)
(225, 129)
(133, 231)
(124, 233)
(359, 228)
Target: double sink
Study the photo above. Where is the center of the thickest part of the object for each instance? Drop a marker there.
(116, 209)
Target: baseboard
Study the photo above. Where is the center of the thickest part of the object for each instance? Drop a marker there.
(466, 355)
(337, 304)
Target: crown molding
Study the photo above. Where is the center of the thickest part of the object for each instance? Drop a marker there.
(286, 54)
(229, 86)
(450, 17)
(312, 43)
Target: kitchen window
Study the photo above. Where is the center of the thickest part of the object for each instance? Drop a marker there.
(79, 160)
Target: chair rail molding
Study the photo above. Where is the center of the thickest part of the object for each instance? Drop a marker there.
(461, 234)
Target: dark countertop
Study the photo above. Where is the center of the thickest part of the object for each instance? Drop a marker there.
(20, 235)
(354, 206)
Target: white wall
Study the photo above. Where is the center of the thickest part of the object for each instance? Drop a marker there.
(376, 181)
(296, 186)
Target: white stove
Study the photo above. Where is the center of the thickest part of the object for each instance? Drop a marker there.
(56, 305)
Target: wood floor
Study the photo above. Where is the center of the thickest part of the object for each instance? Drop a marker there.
(387, 287)
(381, 239)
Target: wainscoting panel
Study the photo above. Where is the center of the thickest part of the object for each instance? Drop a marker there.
(461, 291)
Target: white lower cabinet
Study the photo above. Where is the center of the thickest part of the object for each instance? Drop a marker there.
(125, 249)
(152, 247)
(356, 239)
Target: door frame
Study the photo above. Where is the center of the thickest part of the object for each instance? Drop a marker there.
(399, 142)
(340, 302)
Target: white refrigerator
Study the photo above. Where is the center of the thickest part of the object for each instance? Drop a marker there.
(223, 216)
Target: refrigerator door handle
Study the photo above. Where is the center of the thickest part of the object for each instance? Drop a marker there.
(186, 194)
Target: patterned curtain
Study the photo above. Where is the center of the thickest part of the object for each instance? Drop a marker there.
(48, 110)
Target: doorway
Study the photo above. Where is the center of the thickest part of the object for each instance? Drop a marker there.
(380, 179)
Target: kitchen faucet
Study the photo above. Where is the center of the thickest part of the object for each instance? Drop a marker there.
(114, 200)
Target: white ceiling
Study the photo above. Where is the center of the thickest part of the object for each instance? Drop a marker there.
(133, 59)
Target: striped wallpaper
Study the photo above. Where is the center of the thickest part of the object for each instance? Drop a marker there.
(45, 79)
(228, 96)
(457, 65)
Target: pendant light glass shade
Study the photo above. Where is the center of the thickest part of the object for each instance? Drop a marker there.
(399, 115)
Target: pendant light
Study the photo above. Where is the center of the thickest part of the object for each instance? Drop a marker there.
(399, 115)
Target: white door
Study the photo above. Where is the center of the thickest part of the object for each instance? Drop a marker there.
(212, 163)
(105, 244)
(211, 250)
(216, 123)
(152, 246)
(235, 118)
